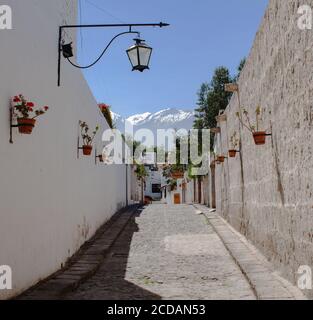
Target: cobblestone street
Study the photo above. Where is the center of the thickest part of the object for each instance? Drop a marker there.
(167, 252)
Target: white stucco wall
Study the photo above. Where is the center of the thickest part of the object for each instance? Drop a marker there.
(154, 177)
(50, 202)
(190, 192)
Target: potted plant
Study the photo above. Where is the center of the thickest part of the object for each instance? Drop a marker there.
(140, 171)
(234, 141)
(173, 184)
(87, 138)
(105, 110)
(259, 136)
(26, 114)
(221, 159)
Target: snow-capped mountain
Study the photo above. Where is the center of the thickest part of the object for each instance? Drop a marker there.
(165, 119)
(138, 118)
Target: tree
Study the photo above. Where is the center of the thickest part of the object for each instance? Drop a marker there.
(240, 68)
(211, 99)
(202, 105)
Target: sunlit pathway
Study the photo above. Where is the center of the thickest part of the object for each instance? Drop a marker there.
(167, 252)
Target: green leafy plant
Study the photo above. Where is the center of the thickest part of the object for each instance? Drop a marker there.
(24, 109)
(234, 141)
(87, 138)
(140, 171)
(173, 184)
(246, 122)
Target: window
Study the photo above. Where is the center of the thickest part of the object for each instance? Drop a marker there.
(156, 188)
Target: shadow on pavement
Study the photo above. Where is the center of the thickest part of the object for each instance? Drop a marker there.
(109, 282)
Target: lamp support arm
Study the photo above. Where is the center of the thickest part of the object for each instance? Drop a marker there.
(103, 52)
(130, 26)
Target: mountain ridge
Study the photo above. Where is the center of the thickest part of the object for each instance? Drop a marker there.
(170, 118)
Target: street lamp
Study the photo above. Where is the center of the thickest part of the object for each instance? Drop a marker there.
(139, 54)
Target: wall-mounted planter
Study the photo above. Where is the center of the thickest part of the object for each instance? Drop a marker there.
(23, 115)
(98, 157)
(221, 159)
(87, 139)
(232, 153)
(259, 137)
(177, 174)
(25, 125)
(87, 150)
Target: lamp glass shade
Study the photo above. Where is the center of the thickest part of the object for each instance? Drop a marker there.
(133, 56)
(139, 55)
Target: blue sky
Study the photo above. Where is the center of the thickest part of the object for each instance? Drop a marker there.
(203, 35)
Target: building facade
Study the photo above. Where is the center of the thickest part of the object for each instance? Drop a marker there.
(50, 201)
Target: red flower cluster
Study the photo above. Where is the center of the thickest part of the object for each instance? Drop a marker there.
(103, 107)
(105, 110)
(23, 108)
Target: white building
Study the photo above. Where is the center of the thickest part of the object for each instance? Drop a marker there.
(50, 201)
(153, 182)
(182, 192)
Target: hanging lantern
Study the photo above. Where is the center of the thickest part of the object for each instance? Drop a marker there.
(139, 55)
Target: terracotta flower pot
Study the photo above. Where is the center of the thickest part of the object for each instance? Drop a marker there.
(26, 125)
(232, 153)
(87, 150)
(259, 137)
(221, 159)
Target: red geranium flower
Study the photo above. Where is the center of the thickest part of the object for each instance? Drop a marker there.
(16, 99)
(46, 108)
(30, 104)
(103, 106)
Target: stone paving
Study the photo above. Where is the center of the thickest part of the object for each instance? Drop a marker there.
(265, 281)
(84, 263)
(167, 252)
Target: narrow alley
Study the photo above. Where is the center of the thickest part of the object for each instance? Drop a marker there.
(179, 252)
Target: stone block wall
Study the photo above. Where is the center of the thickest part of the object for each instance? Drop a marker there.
(266, 192)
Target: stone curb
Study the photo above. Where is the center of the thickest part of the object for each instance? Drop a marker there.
(264, 281)
(83, 264)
